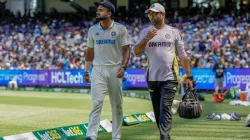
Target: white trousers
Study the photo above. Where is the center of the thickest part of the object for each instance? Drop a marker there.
(12, 84)
(104, 79)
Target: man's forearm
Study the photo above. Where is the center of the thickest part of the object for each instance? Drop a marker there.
(89, 58)
(126, 55)
(139, 48)
(87, 65)
(185, 64)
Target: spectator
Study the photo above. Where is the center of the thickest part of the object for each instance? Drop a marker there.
(23, 42)
(219, 70)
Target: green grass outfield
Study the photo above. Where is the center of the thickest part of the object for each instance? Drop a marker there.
(27, 111)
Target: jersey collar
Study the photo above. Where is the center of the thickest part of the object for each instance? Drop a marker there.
(111, 25)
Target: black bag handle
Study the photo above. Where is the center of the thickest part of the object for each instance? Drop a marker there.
(189, 95)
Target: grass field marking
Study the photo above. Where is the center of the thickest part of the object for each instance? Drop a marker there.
(39, 94)
(238, 136)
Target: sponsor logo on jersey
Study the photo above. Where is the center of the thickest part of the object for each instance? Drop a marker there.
(160, 44)
(105, 41)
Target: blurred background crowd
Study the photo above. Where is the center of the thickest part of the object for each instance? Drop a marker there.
(59, 41)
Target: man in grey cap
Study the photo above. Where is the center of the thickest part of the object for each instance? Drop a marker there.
(163, 44)
(108, 48)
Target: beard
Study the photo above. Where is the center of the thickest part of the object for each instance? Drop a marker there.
(156, 22)
(100, 18)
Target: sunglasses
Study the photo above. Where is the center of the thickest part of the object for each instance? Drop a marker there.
(152, 14)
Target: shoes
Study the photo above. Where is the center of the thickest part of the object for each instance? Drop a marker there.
(210, 117)
(235, 116)
(173, 110)
(225, 116)
(247, 123)
(213, 116)
(88, 138)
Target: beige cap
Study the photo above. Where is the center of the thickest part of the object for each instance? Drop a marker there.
(156, 7)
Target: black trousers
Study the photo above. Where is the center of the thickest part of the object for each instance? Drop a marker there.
(162, 95)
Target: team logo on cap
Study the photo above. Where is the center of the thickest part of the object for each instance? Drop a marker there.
(113, 33)
(167, 36)
(152, 6)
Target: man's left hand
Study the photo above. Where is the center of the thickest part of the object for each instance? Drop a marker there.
(120, 72)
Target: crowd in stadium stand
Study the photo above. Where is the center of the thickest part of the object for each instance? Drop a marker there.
(207, 41)
(59, 44)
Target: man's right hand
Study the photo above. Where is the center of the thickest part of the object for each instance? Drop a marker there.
(86, 77)
(190, 84)
(151, 33)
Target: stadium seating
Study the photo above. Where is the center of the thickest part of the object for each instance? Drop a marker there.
(60, 44)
